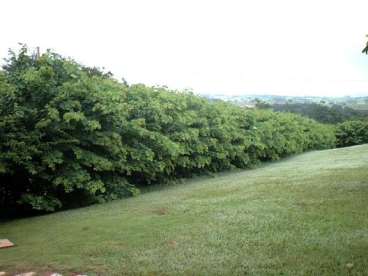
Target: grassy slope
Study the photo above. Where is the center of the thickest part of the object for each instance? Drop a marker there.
(305, 215)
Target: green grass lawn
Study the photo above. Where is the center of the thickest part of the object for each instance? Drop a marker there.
(306, 215)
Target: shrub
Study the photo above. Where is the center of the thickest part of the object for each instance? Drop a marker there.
(352, 133)
(71, 135)
(60, 132)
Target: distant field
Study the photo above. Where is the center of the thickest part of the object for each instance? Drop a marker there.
(306, 215)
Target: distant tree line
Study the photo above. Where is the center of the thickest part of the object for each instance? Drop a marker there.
(351, 125)
(72, 135)
(321, 112)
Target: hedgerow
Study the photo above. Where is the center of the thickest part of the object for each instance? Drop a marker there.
(72, 135)
(351, 133)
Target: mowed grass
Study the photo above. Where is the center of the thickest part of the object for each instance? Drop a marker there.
(306, 215)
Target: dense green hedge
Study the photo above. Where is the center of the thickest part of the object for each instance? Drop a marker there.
(352, 133)
(71, 134)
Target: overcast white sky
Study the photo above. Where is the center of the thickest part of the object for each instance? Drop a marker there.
(289, 47)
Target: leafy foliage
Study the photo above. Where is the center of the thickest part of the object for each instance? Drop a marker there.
(60, 132)
(322, 113)
(72, 134)
(352, 133)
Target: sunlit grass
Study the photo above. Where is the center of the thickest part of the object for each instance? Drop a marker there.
(306, 215)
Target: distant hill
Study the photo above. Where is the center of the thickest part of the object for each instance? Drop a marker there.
(321, 112)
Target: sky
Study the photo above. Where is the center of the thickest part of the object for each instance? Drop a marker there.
(284, 47)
